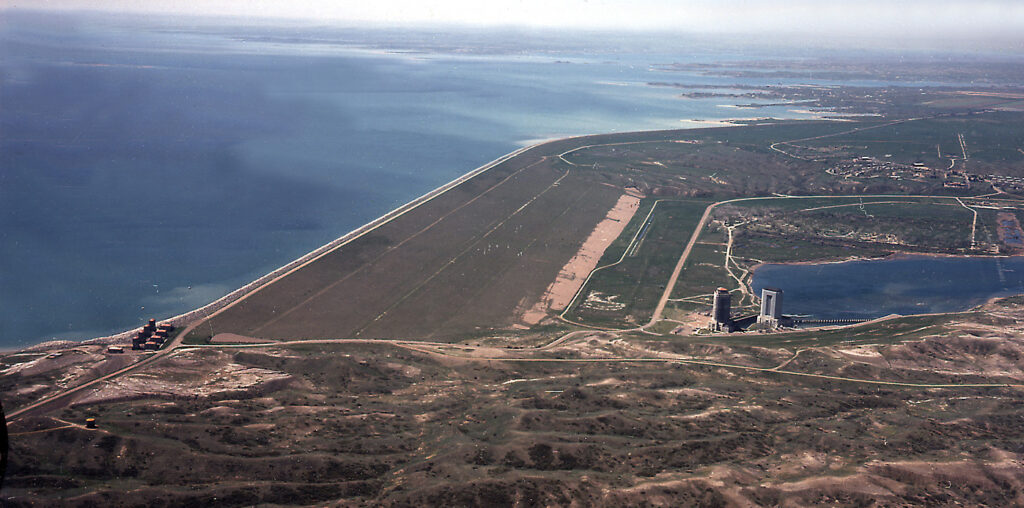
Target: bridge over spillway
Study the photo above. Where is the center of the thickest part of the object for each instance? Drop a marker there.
(800, 321)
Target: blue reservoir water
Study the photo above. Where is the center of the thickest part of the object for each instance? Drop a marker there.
(904, 285)
(148, 168)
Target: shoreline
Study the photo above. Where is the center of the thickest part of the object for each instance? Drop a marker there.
(240, 293)
(208, 310)
(896, 256)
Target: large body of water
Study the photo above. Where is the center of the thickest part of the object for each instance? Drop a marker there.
(904, 285)
(146, 170)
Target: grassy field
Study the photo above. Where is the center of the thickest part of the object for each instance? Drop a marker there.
(704, 167)
(470, 260)
(640, 278)
(992, 140)
(869, 228)
(703, 272)
(465, 261)
(797, 230)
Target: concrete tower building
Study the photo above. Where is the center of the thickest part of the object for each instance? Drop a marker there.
(771, 307)
(721, 313)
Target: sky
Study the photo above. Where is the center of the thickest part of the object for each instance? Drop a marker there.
(872, 18)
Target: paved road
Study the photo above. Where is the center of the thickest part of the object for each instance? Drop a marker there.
(65, 396)
(682, 261)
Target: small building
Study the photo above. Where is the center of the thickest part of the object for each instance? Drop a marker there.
(115, 350)
(90, 423)
(152, 346)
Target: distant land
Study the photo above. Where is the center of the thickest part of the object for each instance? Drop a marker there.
(208, 156)
(275, 139)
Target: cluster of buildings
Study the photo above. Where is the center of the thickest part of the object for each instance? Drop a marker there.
(1014, 183)
(960, 179)
(152, 336)
(870, 167)
(770, 316)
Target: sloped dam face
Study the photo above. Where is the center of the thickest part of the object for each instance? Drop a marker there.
(901, 285)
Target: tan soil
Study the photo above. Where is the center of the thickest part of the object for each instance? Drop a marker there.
(1007, 225)
(689, 323)
(72, 361)
(190, 375)
(231, 338)
(575, 272)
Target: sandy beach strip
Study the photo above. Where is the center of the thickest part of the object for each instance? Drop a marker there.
(575, 272)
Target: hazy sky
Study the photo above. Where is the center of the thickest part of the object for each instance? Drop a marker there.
(873, 18)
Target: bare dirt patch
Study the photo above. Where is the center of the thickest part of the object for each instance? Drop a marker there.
(232, 338)
(575, 272)
(195, 374)
(1009, 231)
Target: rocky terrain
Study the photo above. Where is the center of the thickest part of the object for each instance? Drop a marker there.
(930, 415)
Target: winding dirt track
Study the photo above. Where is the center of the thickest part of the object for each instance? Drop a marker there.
(427, 348)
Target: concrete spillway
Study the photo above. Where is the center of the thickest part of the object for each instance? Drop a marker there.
(828, 321)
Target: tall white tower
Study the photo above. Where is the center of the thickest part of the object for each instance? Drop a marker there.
(771, 307)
